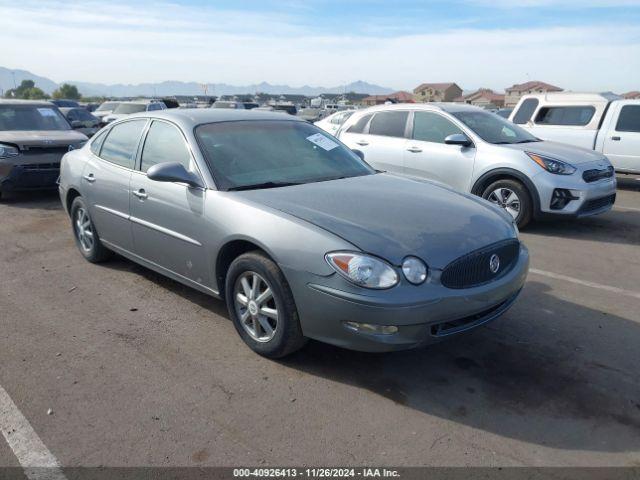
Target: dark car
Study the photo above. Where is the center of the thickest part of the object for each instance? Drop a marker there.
(504, 112)
(63, 102)
(81, 120)
(34, 135)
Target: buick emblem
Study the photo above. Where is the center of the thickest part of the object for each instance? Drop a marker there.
(494, 263)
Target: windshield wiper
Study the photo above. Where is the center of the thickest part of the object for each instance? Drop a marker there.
(258, 186)
(532, 140)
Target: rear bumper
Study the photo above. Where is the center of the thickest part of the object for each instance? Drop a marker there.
(441, 312)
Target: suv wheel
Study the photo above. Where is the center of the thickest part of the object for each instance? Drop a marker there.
(261, 305)
(85, 233)
(514, 197)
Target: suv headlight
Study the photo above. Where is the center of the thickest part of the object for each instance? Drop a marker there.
(552, 165)
(7, 151)
(363, 270)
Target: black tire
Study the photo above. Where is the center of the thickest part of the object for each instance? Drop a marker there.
(287, 335)
(524, 197)
(97, 252)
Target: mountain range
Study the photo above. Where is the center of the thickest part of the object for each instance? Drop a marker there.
(9, 77)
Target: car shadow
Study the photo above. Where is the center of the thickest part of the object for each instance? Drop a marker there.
(549, 372)
(519, 377)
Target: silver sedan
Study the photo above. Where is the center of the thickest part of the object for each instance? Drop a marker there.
(301, 237)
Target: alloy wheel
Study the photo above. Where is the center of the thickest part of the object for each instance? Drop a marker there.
(507, 199)
(84, 229)
(255, 306)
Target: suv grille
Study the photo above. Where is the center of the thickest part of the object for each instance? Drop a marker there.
(593, 205)
(595, 175)
(474, 268)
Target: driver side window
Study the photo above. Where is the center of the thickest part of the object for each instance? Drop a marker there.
(164, 143)
(431, 127)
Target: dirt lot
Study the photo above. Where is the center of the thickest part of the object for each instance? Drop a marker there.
(139, 370)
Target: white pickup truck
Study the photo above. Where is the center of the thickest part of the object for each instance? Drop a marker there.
(604, 122)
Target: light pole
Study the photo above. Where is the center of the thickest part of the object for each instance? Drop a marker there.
(14, 80)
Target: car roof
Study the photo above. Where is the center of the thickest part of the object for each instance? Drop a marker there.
(191, 117)
(42, 103)
(431, 106)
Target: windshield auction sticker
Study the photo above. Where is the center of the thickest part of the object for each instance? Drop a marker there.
(322, 141)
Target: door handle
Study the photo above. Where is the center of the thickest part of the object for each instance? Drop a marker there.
(362, 142)
(616, 139)
(140, 193)
(414, 149)
(89, 178)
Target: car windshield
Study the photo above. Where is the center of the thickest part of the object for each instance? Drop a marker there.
(127, 108)
(494, 129)
(31, 117)
(109, 106)
(262, 154)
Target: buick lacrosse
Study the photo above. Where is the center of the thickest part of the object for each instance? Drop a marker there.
(301, 237)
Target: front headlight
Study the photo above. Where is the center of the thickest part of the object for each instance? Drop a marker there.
(552, 165)
(7, 151)
(363, 270)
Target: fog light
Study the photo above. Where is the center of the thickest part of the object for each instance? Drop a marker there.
(369, 328)
(561, 197)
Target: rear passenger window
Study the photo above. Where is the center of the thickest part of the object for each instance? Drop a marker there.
(525, 112)
(122, 142)
(629, 119)
(164, 143)
(431, 127)
(359, 126)
(96, 143)
(389, 124)
(576, 116)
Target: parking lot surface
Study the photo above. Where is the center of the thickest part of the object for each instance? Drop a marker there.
(139, 370)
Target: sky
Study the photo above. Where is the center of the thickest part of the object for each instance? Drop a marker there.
(587, 45)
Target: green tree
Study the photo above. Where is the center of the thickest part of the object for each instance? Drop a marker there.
(67, 91)
(26, 91)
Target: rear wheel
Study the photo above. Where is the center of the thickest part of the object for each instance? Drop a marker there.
(85, 234)
(514, 197)
(261, 306)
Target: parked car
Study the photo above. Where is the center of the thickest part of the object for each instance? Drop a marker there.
(300, 236)
(603, 122)
(105, 109)
(62, 102)
(504, 112)
(234, 105)
(34, 136)
(333, 122)
(475, 151)
(125, 109)
(81, 120)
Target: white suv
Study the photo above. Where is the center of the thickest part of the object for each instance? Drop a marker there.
(476, 151)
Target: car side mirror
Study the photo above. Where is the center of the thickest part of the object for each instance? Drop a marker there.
(359, 153)
(458, 139)
(173, 172)
(75, 124)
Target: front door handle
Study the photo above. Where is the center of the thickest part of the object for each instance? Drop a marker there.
(89, 178)
(414, 149)
(616, 139)
(362, 142)
(140, 193)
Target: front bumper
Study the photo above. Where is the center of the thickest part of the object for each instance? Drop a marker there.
(590, 198)
(32, 176)
(423, 314)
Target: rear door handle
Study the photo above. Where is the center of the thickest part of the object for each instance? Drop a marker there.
(362, 142)
(89, 178)
(414, 149)
(616, 139)
(140, 193)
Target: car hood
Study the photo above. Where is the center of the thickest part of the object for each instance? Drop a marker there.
(392, 217)
(49, 138)
(559, 151)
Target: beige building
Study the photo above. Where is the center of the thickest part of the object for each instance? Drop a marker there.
(631, 95)
(437, 92)
(513, 93)
(484, 97)
(396, 97)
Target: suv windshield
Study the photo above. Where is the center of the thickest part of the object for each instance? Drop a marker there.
(494, 129)
(31, 117)
(263, 154)
(107, 106)
(127, 108)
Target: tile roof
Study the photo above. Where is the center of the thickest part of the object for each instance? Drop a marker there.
(435, 86)
(533, 84)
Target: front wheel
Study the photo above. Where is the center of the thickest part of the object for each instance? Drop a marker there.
(261, 305)
(85, 233)
(514, 197)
